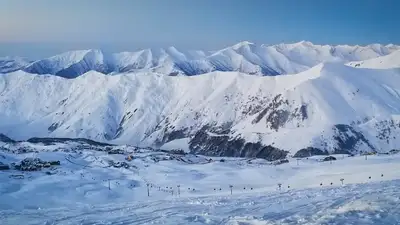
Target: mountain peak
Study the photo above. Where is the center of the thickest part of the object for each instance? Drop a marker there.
(242, 44)
(304, 42)
(245, 57)
(76, 55)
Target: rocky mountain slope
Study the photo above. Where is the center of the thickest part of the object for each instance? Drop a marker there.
(243, 57)
(328, 108)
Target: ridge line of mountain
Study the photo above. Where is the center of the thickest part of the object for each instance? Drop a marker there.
(246, 57)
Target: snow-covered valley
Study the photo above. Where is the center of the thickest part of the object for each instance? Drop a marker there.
(284, 134)
(93, 186)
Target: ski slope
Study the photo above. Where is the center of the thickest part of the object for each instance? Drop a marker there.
(78, 192)
(375, 204)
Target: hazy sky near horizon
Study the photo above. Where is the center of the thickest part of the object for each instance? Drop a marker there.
(37, 28)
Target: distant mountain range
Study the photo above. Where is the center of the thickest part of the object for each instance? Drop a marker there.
(243, 57)
(343, 99)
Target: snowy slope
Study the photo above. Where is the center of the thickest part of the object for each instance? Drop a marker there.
(70, 64)
(243, 57)
(11, 64)
(363, 204)
(384, 62)
(85, 189)
(331, 107)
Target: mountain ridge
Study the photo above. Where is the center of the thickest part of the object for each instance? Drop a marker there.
(331, 107)
(245, 57)
(390, 61)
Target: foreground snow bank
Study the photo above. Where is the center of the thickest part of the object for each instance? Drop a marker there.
(372, 203)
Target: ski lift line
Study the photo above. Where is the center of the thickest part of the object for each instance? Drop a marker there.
(153, 185)
(289, 187)
(170, 190)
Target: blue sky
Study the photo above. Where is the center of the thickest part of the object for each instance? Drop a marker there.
(37, 28)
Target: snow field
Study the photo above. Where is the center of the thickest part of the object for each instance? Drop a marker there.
(84, 178)
(78, 193)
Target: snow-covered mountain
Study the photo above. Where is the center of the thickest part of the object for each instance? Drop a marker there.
(10, 64)
(243, 57)
(328, 108)
(383, 62)
(70, 64)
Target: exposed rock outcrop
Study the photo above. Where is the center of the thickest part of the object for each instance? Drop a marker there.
(206, 143)
(4, 138)
(310, 151)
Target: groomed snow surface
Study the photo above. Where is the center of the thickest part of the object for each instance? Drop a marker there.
(78, 192)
